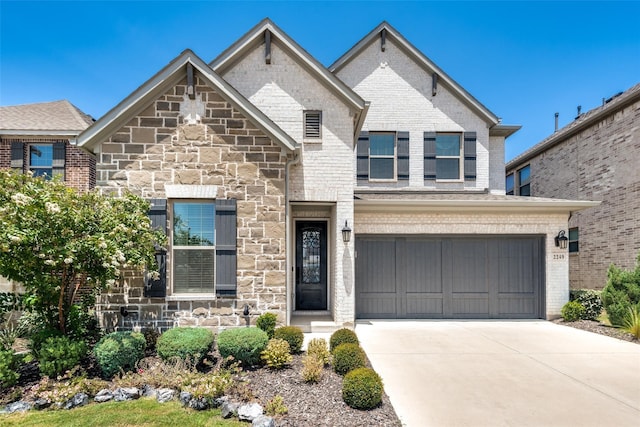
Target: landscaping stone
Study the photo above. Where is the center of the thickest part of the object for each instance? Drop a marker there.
(126, 393)
(41, 403)
(79, 399)
(103, 395)
(19, 406)
(219, 401)
(198, 404)
(185, 397)
(263, 421)
(249, 411)
(164, 395)
(229, 409)
(148, 391)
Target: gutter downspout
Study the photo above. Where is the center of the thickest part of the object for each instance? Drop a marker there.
(296, 159)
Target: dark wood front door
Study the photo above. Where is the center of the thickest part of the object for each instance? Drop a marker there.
(311, 265)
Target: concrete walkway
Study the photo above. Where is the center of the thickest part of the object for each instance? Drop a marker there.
(504, 373)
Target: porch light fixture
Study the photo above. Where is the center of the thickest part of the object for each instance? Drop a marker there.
(346, 233)
(561, 240)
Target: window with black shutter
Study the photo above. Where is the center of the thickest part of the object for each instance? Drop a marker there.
(157, 286)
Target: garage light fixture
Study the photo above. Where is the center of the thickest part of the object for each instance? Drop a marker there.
(346, 233)
(561, 240)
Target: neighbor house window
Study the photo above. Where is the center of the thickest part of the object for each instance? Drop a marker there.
(524, 185)
(448, 156)
(194, 247)
(382, 156)
(510, 184)
(313, 125)
(41, 159)
(573, 240)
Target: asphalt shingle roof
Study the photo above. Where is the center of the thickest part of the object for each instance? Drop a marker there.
(45, 116)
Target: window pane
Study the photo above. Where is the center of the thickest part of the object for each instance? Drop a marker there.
(573, 234)
(193, 270)
(41, 155)
(382, 144)
(447, 145)
(523, 174)
(381, 169)
(193, 224)
(525, 190)
(573, 247)
(448, 168)
(510, 183)
(48, 173)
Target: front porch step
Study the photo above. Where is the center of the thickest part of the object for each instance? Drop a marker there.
(311, 325)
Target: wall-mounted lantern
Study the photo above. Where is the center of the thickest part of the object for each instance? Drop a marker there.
(561, 240)
(346, 233)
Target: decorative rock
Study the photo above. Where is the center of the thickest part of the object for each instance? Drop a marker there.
(219, 401)
(263, 421)
(164, 395)
(185, 397)
(79, 399)
(249, 412)
(41, 403)
(126, 393)
(148, 391)
(198, 404)
(229, 409)
(19, 406)
(103, 395)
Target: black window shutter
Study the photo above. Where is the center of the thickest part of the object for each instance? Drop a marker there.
(363, 156)
(226, 252)
(403, 155)
(158, 216)
(470, 156)
(57, 165)
(429, 155)
(17, 155)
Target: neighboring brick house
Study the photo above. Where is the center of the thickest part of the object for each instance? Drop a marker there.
(595, 157)
(259, 164)
(41, 138)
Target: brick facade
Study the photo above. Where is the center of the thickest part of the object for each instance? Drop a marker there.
(598, 162)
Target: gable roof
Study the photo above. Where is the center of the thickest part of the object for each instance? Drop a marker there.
(157, 85)
(412, 52)
(586, 120)
(255, 37)
(45, 118)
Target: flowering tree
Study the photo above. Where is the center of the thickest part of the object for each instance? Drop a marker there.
(56, 241)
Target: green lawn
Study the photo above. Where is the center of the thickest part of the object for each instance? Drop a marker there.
(142, 412)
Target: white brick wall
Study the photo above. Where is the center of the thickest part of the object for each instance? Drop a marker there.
(401, 100)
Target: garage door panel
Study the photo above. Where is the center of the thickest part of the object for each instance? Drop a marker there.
(468, 266)
(424, 306)
(517, 306)
(470, 305)
(422, 263)
(377, 306)
(380, 271)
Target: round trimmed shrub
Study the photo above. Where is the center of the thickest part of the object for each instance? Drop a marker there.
(267, 322)
(59, 354)
(191, 344)
(591, 301)
(119, 351)
(347, 357)
(342, 336)
(291, 334)
(277, 354)
(572, 311)
(243, 344)
(362, 389)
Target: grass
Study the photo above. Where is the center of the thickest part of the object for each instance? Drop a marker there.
(141, 412)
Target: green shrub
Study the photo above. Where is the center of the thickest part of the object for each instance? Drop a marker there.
(590, 300)
(209, 386)
(572, 311)
(185, 343)
(9, 362)
(312, 368)
(243, 344)
(277, 354)
(291, 334)
(267, 322)
(621, 292)
(151, 337)
(119, 351)
(632, 321)
(39, 336)
(347, 357)
(276, 406)
(362, 389)
(318, 347)
(59, 354)
(342, 336)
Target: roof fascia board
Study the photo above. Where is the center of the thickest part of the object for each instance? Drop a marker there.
(422, 60)
(253, 38)
(564, 134)
(504, 130)
(502, 206)
(159, 83)
(22, 132)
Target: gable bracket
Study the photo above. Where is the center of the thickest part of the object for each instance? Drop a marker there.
(267, 47)
(434, 84)
(383, 39)
(191, 91)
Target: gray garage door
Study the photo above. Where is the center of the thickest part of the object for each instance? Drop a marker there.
(494, 277)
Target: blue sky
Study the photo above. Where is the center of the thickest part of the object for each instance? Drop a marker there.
(523, 60)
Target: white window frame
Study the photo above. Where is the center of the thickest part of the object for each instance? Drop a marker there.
(386, 156)
(305, 126)
(460, 158)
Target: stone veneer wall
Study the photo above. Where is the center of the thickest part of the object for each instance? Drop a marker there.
(224, 150)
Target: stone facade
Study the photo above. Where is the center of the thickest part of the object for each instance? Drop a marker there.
(595, 158)
(224, 151)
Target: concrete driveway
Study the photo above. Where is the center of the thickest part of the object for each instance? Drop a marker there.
(504, 373)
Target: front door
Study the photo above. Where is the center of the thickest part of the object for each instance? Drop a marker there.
(311, 265)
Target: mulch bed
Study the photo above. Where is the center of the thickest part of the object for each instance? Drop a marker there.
(599, 328)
